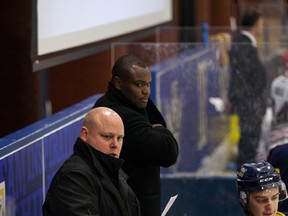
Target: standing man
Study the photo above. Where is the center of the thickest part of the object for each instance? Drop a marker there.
(247, 87)
(148, 144)
(88, 183)
(260, 189)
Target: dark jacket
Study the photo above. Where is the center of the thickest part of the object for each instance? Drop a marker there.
(247, 90)
(144, 149)
(88, 184)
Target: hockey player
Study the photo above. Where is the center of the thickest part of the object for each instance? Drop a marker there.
(279, 94)
(278, 143)
(260, 189)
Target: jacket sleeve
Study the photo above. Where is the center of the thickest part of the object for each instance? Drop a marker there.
(72, 195)
(145, 144)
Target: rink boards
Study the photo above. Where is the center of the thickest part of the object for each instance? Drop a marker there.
(30, 157)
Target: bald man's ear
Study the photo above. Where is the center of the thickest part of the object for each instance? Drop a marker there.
(83, 133)
(117, 82)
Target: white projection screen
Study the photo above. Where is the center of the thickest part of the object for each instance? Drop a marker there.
(64, 24)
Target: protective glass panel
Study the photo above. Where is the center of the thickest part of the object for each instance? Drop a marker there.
(188, 87)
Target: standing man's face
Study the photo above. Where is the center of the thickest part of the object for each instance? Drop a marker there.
(259, 27)
(264, 203)
(136, 88)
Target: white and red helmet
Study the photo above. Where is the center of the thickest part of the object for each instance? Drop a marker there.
(285, 58)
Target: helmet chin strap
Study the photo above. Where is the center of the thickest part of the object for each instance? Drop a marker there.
(244, 201)
(245, 208)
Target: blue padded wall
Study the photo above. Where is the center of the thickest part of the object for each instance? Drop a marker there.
(30, 157)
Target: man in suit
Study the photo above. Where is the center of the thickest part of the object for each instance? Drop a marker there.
(247, 87)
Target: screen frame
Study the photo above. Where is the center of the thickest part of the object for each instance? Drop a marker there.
(40, 62)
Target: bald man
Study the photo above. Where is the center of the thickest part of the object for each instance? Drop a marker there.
(88, 183)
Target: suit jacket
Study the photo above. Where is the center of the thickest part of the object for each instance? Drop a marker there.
(247, 89)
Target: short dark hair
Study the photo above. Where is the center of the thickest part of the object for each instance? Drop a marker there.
(123, 64)
(249, 18)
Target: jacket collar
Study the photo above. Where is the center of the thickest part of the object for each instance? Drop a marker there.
(104, 163)
(108, 168)
(121, 99)
(250, 36)
(150, 112)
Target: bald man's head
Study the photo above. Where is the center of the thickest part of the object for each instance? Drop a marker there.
(103, 129)
(100, 114)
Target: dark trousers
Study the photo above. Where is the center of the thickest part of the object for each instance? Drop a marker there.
(250, 130)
